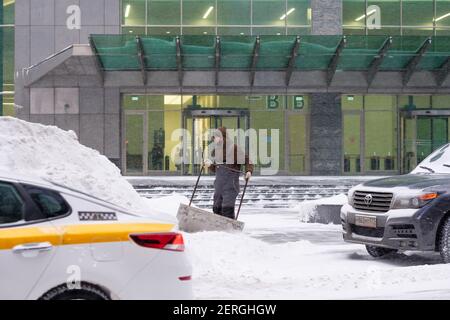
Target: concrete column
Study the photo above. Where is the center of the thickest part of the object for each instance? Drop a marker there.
(326, 134)
(326, 17)
(326, 113)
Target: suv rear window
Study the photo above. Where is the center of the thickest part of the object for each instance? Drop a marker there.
(49, 202)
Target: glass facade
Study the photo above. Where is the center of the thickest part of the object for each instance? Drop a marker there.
(153, 122)
(406, 138)
(391, 134)
(224, 17)
(367, 149)
(7, 57)
(396, 17)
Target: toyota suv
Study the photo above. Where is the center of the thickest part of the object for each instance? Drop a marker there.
(406, 212)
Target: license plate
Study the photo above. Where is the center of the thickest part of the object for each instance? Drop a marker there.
(366, 221)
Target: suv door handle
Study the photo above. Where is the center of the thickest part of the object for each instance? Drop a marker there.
(30, 247)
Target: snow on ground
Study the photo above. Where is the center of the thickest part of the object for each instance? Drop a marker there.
(315, 264)
(54, 154)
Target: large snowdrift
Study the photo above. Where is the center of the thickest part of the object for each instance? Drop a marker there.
(56, 155)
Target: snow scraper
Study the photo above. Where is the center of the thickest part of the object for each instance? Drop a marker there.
(192, 219)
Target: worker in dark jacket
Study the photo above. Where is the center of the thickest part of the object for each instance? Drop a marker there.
(228, 159)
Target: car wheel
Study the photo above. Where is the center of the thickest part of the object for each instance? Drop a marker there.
(85, 292)
(378, 252)
(444, 241)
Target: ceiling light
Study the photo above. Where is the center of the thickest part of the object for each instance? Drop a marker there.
(205, 16)
(127, 10)
(177, 100)
(368, 14)
(442, 17)
(204, 32)
(168, 32)
(287, 13)
(241, 33)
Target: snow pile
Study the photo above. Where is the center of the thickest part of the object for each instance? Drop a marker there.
(307, 209)
(54, 154)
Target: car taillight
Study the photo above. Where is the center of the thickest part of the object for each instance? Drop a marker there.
(165, 241)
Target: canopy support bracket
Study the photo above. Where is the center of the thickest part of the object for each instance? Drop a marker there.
(378, 60)
(332, 66)
(217, 61)
(414, 62)
(141, 56)
(179, 62)
(254, 61)
(443, 72)
(291, 63)
(98, 63)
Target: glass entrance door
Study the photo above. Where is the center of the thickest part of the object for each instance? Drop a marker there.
(134, 148)
(198, 123)
(423, 132)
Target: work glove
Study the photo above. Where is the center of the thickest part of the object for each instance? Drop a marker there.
(248, 175)
(207, 163)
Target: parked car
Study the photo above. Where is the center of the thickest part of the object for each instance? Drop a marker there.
(58, 243)
(406, 212)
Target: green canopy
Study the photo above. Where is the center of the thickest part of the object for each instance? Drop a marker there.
(313, 52)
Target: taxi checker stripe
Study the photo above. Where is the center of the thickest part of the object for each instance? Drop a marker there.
(77, 234)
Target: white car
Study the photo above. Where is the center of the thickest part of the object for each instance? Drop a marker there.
(58, 243)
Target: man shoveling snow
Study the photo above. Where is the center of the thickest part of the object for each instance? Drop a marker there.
(228, 159)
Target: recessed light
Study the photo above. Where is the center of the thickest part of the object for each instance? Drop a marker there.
(368, 14)
(205, 16)
(442, 17)
(287, 13)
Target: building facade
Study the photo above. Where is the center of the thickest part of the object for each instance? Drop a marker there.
(343, 131)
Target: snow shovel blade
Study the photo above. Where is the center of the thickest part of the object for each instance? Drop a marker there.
(192, 219)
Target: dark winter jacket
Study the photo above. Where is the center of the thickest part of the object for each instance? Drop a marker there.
(228, 150)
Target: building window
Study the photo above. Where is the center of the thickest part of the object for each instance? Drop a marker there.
(7, 106)
(199, 12)
(164, 12)
(354, 18)
(233, 12)
(152, 123)
(442, 20)
(269, 12)
(396, 17)
(222, 17)
(134, 12)
(367, 149)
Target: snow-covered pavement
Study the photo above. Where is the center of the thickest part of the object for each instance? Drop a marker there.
(277, 257)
